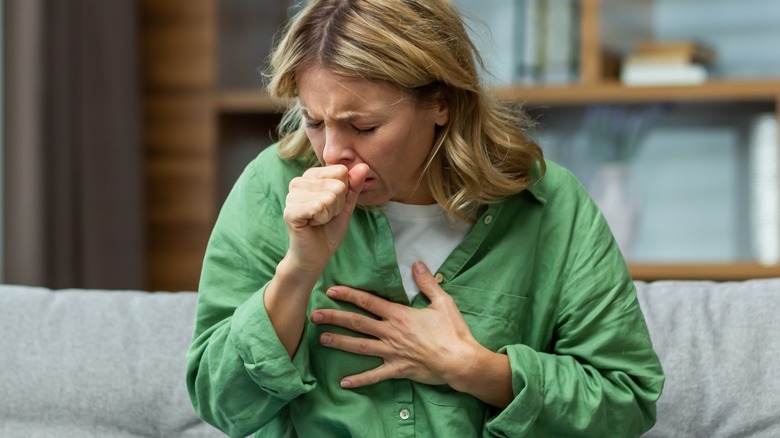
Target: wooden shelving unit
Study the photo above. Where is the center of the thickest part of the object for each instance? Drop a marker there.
(256, 101)
(248, 101)
(183, 180)
(697, 271)
(615, 92)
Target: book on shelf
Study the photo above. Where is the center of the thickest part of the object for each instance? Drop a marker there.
(647, 75)
(677, 52)
(546, 41)
(559, 66)
(667, 63)
(528, 50)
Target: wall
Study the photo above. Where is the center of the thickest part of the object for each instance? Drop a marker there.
(745, 34)
(689, 176)
(2, 187)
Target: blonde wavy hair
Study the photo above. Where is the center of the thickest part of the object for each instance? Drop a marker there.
(480, 156)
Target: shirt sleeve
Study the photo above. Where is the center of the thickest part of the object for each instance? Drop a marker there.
(601, 376)
(239, 375)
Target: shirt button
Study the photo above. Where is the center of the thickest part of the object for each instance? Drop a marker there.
(438, 277)
(405, 414)
(488, 219)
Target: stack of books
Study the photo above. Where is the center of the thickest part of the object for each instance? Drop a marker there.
(667, 63)
(546, 41)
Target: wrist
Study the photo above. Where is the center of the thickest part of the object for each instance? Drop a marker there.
(466, 368)
(487, 375)
(293, 276)
(286, 299)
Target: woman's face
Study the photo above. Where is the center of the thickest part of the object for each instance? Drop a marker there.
(351, 121)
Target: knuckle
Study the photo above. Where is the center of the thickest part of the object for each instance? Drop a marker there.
(312, 172)
(374, 378)
(429, 280)
(319, 207)
(396, 370)
(329, 198)
(363, 346)
(339, 187)
(295, 183)
(366, 302)
(403, 370)
(355, 324)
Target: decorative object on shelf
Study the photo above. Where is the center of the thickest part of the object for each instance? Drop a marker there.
(611, 190)
(764, 192)
(614, 134)
(667, 63)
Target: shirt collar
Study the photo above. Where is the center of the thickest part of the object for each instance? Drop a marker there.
(536, 188)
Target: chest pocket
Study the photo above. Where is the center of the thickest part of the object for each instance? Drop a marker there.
(496, 319)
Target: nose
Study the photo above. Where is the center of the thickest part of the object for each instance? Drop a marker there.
(338, 149)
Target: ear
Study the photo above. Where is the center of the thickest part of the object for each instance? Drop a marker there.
(442, 109)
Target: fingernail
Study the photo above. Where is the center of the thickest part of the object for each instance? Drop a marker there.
(325, 339)
(346, 383)
(331, 293)
(317, 317)
(419, 267)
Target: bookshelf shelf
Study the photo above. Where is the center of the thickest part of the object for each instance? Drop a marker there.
(715, 272)
(255, 101)
(606, 92)
(247, 102)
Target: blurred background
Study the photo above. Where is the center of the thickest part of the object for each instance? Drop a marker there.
(125, 123)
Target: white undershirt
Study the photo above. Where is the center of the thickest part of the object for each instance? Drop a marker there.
(422, 232)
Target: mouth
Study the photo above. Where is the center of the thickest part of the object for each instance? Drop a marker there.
(368, 183)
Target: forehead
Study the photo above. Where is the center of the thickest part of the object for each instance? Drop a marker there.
(322, 91)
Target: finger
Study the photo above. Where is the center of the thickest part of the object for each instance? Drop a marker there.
(378, 374)
(303, 185)
(357, 177)
(351, 344)
(349, 320)
(427, 283)
(335, 171)
(364, 300)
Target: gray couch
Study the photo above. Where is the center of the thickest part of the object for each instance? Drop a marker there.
(77, 363)
(85, 363)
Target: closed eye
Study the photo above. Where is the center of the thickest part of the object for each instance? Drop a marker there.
(365, 131)
(311, 124)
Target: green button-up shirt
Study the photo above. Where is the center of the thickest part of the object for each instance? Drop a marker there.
(538, 278)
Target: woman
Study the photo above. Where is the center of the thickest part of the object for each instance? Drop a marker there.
(318, 311)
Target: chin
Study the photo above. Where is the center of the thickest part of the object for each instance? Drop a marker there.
(371, 200)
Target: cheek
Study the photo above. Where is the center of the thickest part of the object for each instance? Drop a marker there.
(421, 142)
(316, 145)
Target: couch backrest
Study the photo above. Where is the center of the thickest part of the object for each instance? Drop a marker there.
(77, 363)
(719, 344)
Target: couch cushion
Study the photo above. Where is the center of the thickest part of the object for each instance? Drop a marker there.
(77, 363)
(719, 344)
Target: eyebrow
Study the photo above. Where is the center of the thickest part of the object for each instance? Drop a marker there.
(346, 116)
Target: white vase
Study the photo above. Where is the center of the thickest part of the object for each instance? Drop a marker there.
(611, 191)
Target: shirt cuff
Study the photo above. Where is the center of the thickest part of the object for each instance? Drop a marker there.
(519, 417)
(265, 358)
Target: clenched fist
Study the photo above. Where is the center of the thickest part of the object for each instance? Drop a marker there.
(317, 212)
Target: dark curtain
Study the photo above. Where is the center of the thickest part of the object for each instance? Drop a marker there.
(74, 209)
